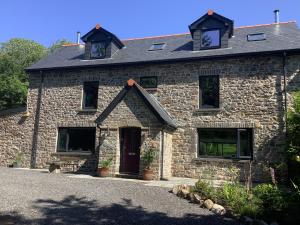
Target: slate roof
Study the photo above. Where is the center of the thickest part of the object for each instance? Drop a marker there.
(279, 37)
(157, 109)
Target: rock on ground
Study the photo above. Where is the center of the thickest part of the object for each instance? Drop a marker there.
(208, 203)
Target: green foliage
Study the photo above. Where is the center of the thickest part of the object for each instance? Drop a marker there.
(106, 163)
(205, 190)
(238, 200)
(265, 201)
(273, 199)
(15, 56)
(148, 156)
(12, 91)
(58, 44)
(293, 150)
(18, 158)
(294, 125)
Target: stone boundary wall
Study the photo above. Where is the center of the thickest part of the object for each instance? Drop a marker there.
(16, 131)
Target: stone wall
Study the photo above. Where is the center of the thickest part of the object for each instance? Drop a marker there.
(250, 96)
(167, 154)
(15, 136)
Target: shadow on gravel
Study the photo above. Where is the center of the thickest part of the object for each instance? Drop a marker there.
(73, 210)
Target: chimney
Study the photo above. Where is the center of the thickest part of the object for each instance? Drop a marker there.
(276, 12)
(78, 37)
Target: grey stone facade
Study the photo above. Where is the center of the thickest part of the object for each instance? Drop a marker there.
(251, 96)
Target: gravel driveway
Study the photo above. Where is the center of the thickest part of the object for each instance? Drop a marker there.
(37, 197)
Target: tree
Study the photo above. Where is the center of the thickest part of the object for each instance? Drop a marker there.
(16, 55)
(294, 139)
(58, 44)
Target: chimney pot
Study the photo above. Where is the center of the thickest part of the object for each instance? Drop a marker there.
(276, 13)
(78, 37)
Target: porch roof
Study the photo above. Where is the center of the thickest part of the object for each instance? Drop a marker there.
(161, 114)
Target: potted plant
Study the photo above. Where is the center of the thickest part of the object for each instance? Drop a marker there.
(18, 160)
(103, 171)
(148, 157)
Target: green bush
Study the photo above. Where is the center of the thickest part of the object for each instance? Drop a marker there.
(205, 190)
(265, 201)
(273, 199)
(236, 198)
(293, 142)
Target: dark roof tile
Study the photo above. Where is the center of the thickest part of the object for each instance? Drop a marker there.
(279, 37)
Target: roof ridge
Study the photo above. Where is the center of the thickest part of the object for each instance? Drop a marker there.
(266, 24)
(182, 34)
(158, 36)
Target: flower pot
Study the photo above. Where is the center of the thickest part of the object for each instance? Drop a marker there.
(103, 172)
(148, 174)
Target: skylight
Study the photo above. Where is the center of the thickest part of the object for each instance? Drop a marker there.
(157, 46)
(256, 37)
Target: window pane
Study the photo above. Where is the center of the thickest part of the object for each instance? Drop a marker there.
(229, 150)
(158, 46)
(224, 142)
(98, 50)
(245, 143)
(90, 95)
(82, 139)
(256, 37)
(148, 82)
(210, 38)
(62, 140)
(209, 91)
(218, 142)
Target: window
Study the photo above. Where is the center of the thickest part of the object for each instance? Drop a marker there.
(209, 91)
(98, 50)
(256, 37)
(210, 38)
(148, 82)
(225, 143)
(157, 46)
(90, 95)
(76, 139)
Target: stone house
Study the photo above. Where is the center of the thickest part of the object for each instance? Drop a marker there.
(209, 100)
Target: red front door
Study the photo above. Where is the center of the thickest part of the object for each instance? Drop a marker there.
(130, 150)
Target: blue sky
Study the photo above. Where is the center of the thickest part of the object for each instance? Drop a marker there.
(49, 20)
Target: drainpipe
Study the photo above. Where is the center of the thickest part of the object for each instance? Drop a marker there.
(285, 93)
(162, 154)
(36, 123)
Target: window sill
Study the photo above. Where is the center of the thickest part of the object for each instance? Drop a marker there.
(208, 159)
(88, 153)
(87, 110)
(208, 110)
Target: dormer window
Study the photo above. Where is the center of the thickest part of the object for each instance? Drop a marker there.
(210, 38)
(211, 31)
(100, 44)
(98, 50)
